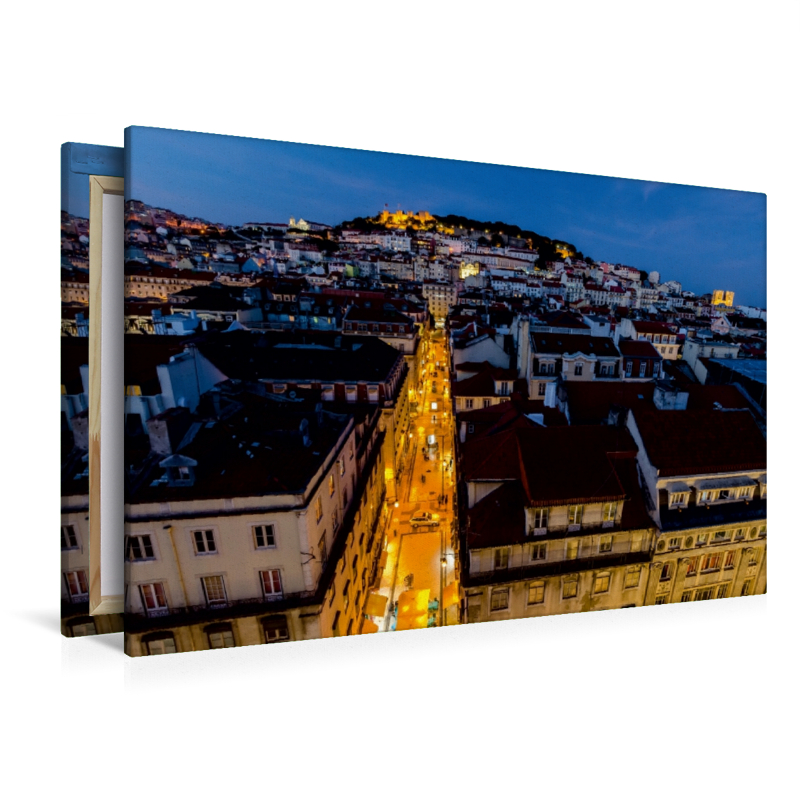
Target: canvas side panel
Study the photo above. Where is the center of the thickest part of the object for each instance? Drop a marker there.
(78, 162)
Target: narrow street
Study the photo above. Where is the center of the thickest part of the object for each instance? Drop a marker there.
(420, 555)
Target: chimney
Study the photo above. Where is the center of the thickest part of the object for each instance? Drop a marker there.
(668, 398)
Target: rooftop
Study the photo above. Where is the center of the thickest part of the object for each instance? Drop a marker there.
(701, 442)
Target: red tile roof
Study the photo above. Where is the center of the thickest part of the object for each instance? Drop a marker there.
(589, 403)
(561, 465)
(701, 442)
(638, 348)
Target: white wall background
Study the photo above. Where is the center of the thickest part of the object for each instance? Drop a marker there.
(698, 701)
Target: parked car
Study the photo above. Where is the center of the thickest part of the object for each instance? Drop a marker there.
(424, 518)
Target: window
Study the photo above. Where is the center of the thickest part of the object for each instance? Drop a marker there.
(632, 577)
(609, 512)
(702, 539)
(351, 393)
(753, 558)
(572, 550)
(642, 369)
(504, 387)
(154, 599)
(540, 518)
(204, 542)
(271, 583)
(569, 587)
(327, 393)
(542, 389)
(666, 572)
(661, 600)
(704, 594)
(629, 368)
(679, 498)
(722, 591)
(575, 514)
(372, 394)
(220, 636)
(78, 585)
(318, 508)
(536, 593)
(160, 644)
(538, 552)
(746, 588)
(335, 520)
(762, 531)
(710, 563)
(730, 559)
(69, 539)
(276, 629)
(499, 600)
(487, 402)
(468, 402)
(602, 582)
(264, 536)
(606, 543)
(340, 464)
(739, 534)
(323, 550)
(579, 368)
(214, 588)
(331, 485)
(724, 494)
(501, 558)
(346, 594)
(708, 497)
(82, 626)
(139, 548)
(691, 568)
(686, 597)
(674, 543)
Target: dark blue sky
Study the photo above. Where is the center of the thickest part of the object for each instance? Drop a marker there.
(706, 238)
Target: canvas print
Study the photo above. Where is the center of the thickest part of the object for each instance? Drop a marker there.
(78, 162)
(372, 393)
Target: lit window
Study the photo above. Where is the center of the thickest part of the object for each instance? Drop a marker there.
(318, 508)
(666, 572)
(609, 512)
(674, 543)
(632, 577)
(606, 543)
(536, 593)
(575, 515)
(691, 566)
(602, 582)
(710, 563)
